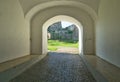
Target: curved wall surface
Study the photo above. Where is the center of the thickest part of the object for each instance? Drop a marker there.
(41, 17)
(108, 31)
(14, 32)
(29, 4)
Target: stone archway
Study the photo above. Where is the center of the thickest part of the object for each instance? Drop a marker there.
(61, 18)
(37, 20)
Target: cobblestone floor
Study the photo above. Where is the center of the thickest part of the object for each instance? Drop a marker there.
(57, 67)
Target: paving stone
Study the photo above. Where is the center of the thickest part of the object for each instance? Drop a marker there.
(57, 67)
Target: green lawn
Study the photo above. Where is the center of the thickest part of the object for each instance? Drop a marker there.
(54, 44)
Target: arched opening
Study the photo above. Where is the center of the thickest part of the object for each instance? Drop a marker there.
(57, 19)
(63, 37)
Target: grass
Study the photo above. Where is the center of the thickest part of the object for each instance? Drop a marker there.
(54, 44)
(52, 48)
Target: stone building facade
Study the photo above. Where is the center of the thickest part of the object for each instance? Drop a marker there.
(58, 33)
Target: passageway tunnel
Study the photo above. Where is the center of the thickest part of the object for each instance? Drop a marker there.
(39, 18)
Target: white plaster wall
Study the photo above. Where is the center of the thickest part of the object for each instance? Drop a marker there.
(40, 18)
(14, 31)
(28, 4)
(108, 31)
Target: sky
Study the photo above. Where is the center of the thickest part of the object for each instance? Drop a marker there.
(65, 24)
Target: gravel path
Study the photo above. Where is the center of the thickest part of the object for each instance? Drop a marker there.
(71, 50)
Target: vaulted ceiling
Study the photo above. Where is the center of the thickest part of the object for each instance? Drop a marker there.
(29, 4)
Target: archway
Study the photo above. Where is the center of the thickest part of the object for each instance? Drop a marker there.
(57, 19)
(40, 18)
(30, 13)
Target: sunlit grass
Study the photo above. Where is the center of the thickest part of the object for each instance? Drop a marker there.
(54, 44)
(52, 48)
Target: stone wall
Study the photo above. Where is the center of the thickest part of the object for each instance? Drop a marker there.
(58, 33)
